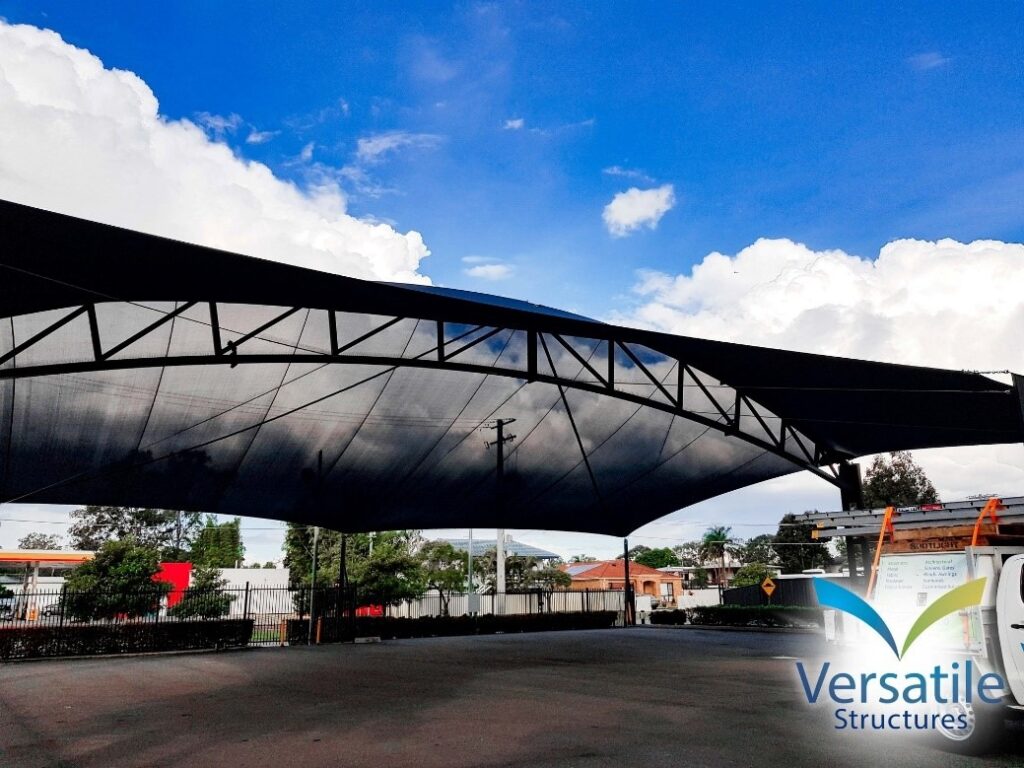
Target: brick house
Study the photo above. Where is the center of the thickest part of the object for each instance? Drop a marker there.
(610, 574)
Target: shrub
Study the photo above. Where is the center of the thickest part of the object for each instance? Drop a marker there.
(205, 598)
(71, 640)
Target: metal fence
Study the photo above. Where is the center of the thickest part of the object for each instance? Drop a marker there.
(787, 592)
(277, 611)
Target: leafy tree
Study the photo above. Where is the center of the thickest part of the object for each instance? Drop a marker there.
(549, 577)
(661, 557)
(638, 550)
(797, 549)
(205, 597)
(39, 541)
(383, 566)
(156, 528)
(269, 564)
(444, 569)
(389, 575)
(298, 554)
(117, 582)
(898, 482)
(759, 549)
(752, 573)
(522, 573)
(582, 559)
(218, 545)
(699, 579)
(717, 542)
(689, 554)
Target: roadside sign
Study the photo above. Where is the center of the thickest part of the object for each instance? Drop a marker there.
(768, 586)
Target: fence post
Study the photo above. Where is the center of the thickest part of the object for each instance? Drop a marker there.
(60, 624)
(245, 609)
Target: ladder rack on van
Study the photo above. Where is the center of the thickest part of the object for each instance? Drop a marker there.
(954, 515)
(939, 527)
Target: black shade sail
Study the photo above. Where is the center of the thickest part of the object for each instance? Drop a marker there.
(140, 371)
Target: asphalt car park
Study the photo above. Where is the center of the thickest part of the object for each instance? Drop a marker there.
(647, 696)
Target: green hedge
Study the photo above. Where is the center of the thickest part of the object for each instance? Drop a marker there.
(449, 626)
(90, 639)
(756, 616)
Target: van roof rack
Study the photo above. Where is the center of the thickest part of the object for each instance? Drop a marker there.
(951, 514)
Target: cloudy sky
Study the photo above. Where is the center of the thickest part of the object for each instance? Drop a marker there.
(807, 177)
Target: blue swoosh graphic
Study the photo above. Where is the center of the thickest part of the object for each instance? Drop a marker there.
(844, 600)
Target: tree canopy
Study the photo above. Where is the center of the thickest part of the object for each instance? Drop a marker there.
(797, 549)
(752, 573)
(660, 557)
(444, 569)
(165, 530)
(117, 582)
(48, 541)
(897, 481)
(218, 545)
(759, 549)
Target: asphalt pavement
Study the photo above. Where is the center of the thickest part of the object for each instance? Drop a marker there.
(647, 696)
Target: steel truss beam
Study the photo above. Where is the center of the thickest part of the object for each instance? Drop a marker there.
(784, 440)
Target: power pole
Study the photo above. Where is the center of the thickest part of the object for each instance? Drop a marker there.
(499, 443)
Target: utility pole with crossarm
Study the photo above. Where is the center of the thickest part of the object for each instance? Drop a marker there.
(499, 442)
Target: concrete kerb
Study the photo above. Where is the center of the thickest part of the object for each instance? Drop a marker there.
(773, 630)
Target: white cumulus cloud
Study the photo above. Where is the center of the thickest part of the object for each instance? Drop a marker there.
(944, 304)
(83, 139)
(515, 124)
(636, 208)
(490, 271)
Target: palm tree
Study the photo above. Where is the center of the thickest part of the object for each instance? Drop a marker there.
(713, 546)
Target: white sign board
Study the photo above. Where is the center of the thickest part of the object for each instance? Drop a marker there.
(907, 584)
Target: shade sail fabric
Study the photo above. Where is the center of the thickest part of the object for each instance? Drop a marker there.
(141, 371)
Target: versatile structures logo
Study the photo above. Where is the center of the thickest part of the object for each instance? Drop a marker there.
(901, 700)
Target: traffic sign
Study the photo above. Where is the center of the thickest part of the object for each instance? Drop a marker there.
(768, 586)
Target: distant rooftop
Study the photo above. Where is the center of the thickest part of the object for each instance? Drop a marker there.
(512, 547)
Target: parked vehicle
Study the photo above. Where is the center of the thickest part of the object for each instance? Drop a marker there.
(50, 609)
(922, 553)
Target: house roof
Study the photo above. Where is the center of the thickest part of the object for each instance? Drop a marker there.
(512, 547)
(609, 569)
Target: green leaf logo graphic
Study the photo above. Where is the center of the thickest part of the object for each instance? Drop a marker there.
(957, 599)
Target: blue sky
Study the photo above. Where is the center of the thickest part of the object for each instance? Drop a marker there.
(840, 128)
(505, 133)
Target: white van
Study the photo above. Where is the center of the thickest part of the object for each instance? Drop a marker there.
(990, 635)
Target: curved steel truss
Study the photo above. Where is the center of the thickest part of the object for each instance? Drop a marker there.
(601, 366)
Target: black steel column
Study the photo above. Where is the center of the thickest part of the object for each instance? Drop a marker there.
(865, 561)
(628, 614)
(851, 559)
(851, 492)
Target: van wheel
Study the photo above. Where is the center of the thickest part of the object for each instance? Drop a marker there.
(984, 728)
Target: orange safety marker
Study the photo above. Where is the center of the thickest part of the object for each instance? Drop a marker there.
(992, 506)
(887, 527)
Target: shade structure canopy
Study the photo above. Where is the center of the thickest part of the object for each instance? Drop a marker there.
(140, 371)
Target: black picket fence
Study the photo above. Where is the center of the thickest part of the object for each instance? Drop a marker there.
(63, 622)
